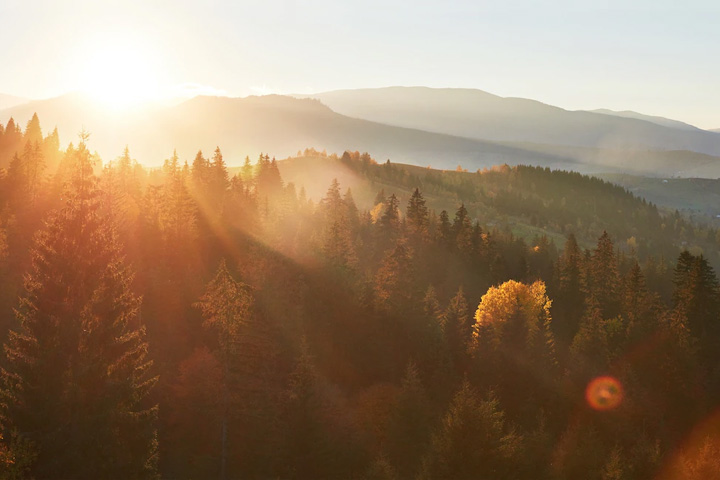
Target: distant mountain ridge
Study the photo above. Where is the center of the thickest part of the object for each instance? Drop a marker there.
(7, 101)
(665, 122)
(480, 115)
(283, 125)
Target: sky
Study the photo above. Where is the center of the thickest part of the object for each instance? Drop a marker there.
(656, 57)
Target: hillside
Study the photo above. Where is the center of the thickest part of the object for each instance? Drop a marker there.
(7, 101)
(247, 126)
(481, 115)
(529, 201)
(693, 195)
(665, 122)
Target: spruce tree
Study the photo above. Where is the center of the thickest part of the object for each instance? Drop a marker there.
(417, 215)
(473, 441)
(76, 373)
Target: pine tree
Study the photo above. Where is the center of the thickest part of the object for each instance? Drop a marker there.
(444, 233)
(409, 426)
(338, 247)
(33, 132)
(569, 301)
(417, 215)
(76, 376)
(227, 307)
(219, 181)
(473, 441)
(394, 291)
(390, 219)
(462, 231)
(604, 279)
(697, 297)
(458, 329)
(306, 441)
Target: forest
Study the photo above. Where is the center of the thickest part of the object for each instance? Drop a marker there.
(202, 321)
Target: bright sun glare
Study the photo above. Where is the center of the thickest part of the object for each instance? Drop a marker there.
(121, 74)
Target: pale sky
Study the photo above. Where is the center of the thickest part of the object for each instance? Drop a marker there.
(656, 57)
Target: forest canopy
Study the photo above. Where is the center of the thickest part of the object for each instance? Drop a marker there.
(205, 321)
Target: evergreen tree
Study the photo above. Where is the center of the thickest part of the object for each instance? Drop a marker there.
(394, 290)
(458, 328)
(570, 297)
(409, 426)
(444, 233)
(227, 306)
(417, 215)
(604, 279)
(390, 219)
(473, 441)
(76, 375)
(462, 230)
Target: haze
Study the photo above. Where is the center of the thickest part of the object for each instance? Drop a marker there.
(651, 57)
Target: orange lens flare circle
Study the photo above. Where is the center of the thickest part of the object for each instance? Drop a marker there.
(604, 393)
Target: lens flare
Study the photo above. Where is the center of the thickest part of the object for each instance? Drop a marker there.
(604, 393)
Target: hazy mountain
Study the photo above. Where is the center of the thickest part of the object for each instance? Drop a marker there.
(665, 122)
(481, 115)
(274, 124)
(715, 130)
(7, 101)
(281, 126)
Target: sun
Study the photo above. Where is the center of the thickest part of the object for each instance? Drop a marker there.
(121, 73)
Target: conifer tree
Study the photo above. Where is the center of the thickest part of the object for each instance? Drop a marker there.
(76, 375)
(444, 233)
(604, 279)
(33, 132)
(458, 329)
(338, 246)
(390, 219)
(570, 297)
(462, 230)
(219, 181)
(306, 442)
(227, 308)
(417, 215)
(697, 297)
(473, 441)
(409, 427)
(394, 289)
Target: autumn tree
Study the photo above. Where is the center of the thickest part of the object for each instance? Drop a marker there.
(514, 346)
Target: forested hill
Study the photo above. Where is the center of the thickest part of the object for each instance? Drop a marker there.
(270, 322)
(527, 200)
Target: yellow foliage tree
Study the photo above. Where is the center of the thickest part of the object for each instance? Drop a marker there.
(512, 335)
(514, 312)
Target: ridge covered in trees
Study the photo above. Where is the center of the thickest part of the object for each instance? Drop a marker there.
(189, 322)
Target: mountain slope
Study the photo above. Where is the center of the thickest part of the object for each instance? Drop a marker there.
(481, 115)
(7, 101)
(527, 200)
(665, 122)
(275, 124)
(281, 126)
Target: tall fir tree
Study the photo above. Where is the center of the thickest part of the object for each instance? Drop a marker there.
(76, 376)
